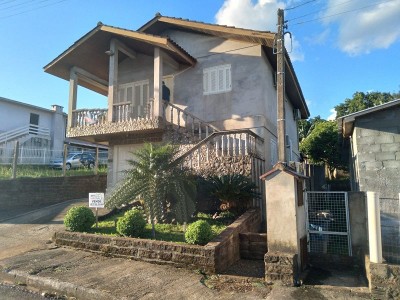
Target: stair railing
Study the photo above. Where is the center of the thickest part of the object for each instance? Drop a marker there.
(23, 131)
(184, 120)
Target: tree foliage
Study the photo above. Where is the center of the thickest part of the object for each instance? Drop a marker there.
(307, 126)
(362, 101)
(321, 145)
(159, 182)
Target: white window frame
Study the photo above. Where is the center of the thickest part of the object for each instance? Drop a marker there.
(217, 79)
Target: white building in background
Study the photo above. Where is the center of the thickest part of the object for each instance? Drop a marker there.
(39, 131)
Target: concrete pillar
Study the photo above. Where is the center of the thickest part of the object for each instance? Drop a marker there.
(112, 79)
(374, 228)
(73, 91)
(158, 73)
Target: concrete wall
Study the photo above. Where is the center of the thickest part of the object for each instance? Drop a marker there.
(376, 150)
(384, 280)
(358, 223)
(33, 192)
(282, 209)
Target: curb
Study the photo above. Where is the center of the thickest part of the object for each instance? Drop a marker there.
(55, 286)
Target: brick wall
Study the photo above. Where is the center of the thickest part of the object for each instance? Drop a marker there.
(36, 192)
(253, 245)
(378, 152)
(214, 257)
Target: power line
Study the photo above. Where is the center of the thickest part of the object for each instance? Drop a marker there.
(5, 2)
(317, 11)
(32, 9)
(293, 7)
(18, 6)
(341, 13)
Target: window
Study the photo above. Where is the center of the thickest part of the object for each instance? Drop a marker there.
(217, 80)
(136, 95)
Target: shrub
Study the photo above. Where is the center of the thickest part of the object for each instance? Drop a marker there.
(132, 223)
(79, 218)
(199, 233)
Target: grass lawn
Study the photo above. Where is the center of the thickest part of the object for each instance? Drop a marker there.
(36, 171)
(164, 232)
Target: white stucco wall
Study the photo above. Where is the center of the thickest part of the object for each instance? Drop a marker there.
(251, 104)
(15, 114)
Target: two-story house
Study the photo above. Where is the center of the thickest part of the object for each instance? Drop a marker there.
(38, 130)
(222, 106)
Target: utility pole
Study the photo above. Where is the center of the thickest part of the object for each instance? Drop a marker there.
(280, 86)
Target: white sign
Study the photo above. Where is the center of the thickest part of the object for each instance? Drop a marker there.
(96, 200)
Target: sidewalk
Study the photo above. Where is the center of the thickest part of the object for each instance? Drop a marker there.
(85, 275)
(27, 256)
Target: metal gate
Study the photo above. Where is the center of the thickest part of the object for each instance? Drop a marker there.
(328, 223)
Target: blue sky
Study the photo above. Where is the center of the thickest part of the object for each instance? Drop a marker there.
(339, 46)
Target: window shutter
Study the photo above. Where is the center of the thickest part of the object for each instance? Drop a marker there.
(217, 79)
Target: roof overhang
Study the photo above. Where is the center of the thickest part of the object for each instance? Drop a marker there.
(346, 123)
(159, 24)
(281, 167)
(88, 53)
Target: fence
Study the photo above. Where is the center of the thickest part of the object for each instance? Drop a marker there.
(40, 156)
(328, 223)
(390, 229)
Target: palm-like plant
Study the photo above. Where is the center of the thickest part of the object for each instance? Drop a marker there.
(158, 180)
(235, 191)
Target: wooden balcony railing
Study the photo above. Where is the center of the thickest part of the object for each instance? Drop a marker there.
(84, 117)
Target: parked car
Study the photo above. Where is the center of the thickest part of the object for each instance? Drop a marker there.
(73, 161)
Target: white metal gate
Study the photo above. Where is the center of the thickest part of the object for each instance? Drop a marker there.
(328, 223)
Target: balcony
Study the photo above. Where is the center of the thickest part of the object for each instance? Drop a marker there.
(94, 125)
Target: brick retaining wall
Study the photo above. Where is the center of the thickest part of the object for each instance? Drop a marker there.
(37, 192)
(214, 257)
(253, 245)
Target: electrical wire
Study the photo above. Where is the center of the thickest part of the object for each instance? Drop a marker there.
(5, 2)
(317, 11)
(32, 9)
(17, 6)
(341, 13)
(293, 7)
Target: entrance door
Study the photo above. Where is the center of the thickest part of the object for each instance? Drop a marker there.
(134, 96)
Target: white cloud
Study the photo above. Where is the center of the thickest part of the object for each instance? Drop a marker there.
(261, 15)
(332, 116)
(362, 31)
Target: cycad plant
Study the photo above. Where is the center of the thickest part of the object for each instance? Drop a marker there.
(235, 191)
(156, 178)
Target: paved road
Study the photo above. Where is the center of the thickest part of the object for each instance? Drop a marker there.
(8, 292)
(32, 230)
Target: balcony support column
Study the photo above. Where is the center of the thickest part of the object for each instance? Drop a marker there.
(158, 73)
(112, 79)
(73, 91)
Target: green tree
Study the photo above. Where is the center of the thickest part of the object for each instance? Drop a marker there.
(321, 145)
(156, 178)
(306, 126)
(362, 101)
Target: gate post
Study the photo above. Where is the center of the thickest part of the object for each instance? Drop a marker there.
(374, 228)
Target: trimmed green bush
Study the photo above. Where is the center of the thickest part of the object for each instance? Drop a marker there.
(79, 218)
(132, 223)
(199, 233)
